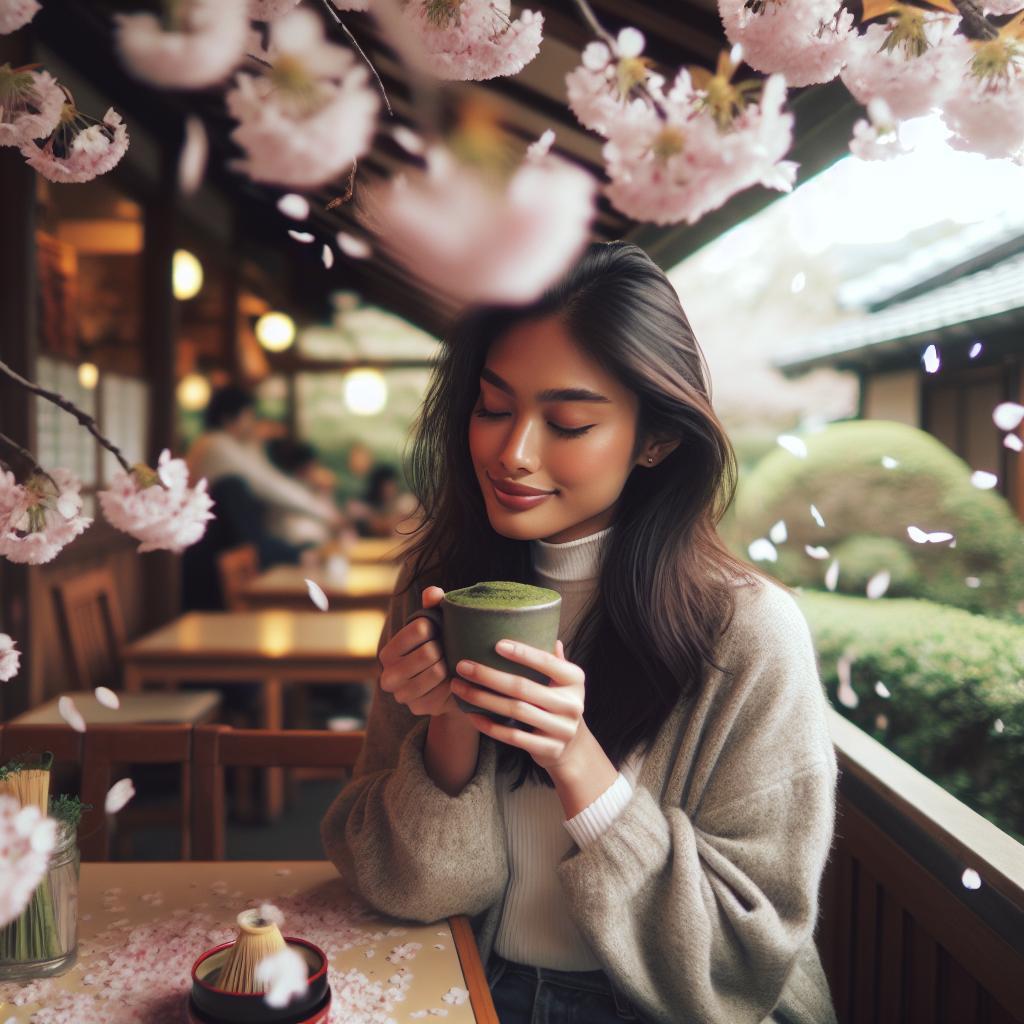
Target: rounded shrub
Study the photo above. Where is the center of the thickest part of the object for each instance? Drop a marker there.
(858, 496)
(862, 556)
(951, 700)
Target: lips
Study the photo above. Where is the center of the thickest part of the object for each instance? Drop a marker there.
(517, 497)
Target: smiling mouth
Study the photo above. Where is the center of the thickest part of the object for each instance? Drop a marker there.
(518, 502)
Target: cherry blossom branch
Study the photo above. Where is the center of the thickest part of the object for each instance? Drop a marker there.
(28, 457)
(587, 13)
(63, 403)
(355, 42)
(976, 24)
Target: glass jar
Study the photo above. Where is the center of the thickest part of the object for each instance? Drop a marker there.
(43, 941)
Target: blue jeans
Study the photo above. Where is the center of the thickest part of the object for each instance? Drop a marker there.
(538, 995)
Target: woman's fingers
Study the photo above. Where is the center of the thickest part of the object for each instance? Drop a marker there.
(542, 721)
(560, 671)
(556, 701)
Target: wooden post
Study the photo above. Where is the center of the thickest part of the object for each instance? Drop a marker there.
(18, 348)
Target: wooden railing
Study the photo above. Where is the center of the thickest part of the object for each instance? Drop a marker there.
(902, 939)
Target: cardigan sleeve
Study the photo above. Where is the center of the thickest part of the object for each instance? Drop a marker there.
(403, 844)
(699, 911)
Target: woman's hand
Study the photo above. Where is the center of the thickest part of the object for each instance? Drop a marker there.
(554, 713)
(413, 669)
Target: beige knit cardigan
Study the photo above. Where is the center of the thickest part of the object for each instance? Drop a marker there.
(700, 900)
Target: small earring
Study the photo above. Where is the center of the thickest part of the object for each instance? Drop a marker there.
(650, 460)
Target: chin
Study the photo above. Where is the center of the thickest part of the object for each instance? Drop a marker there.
(519, 525)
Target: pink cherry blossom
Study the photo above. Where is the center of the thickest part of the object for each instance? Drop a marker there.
(804, 40)
(679, 168)
(202, 47)
(118, 796)
(470, 40)
(15, 14)
(30, 105)
(284, 976)
(985, 111)
(599, 89)
(305, 120)
(78, 151)
(268, 10)
(68, 710)
(10, 658)
(479, 238)
(26, 839)
(159, 509)
(40, 517)
(877, 138)
(911, 85)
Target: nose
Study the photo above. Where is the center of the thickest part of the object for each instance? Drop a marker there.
(519, 455)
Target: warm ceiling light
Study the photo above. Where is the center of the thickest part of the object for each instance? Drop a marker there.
(275, 331)
(88, 376)
(193, 392)
(186, 275)
(366, 392)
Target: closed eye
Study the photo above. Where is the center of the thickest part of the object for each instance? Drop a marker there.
(493, 414)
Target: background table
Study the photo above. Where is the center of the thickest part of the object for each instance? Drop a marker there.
(362, 586)
(375, 549)
(118, 900)
(272, 649)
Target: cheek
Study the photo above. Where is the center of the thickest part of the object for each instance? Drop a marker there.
(601, 462)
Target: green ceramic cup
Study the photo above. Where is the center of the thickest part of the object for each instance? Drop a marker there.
(472, 620)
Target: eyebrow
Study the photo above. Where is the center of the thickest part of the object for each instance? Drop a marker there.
(551, 395)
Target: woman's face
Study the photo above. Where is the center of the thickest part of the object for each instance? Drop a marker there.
(554, 426)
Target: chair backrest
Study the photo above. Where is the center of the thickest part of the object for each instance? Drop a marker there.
(236, 568)
(98, 750)
(215, 746)
(92, 628)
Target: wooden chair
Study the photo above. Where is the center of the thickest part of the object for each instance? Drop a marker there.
(216, 746)
(92, 628)
(98, 751)
(236, 568)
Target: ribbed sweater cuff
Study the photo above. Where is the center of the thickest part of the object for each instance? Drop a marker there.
(594, 820)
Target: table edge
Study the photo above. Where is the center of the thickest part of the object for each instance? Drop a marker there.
(473, 970)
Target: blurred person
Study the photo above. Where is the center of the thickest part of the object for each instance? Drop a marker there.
(384, 507)
(300, 461)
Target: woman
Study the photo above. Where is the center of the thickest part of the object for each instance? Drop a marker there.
(652, 848)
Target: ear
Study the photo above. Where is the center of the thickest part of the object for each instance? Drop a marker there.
(655, 450)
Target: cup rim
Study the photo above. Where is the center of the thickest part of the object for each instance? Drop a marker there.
(536, 607)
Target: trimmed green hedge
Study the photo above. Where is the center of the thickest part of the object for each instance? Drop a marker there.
(843, 476)
(956, 682)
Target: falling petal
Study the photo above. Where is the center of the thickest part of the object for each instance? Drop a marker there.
(762, 550)
(107, 698)
(316, 595)
(817, 517)
(881, 689)
(119, 794)
(354, 248)
(1013, 442)
(918, 536)
(832, 575)
(327, 256)
(971, 879)
(975, 350)
(408, 140)
(931, 359)
(878, 584)
(998, 725)
(846, 694)
(302, 236)
(270, 914)
(294, 206)
(793, 445)
(285, 976)
(817, 552)
(889, 462)
(1008, 415)
(67, 710)
(881, 722)
(194, 152)
(984, 481)
(973, 582)
(778, 534)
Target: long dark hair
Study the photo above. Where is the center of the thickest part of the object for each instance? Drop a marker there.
(665, 592)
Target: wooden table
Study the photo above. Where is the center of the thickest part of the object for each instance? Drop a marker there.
(273, 649)
(375, 549)
(284, 586)
(170, 913)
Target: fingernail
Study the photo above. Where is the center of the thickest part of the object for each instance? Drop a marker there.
(465, 668)
(506, 646)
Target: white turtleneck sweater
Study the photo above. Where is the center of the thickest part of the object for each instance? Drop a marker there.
(536, 927)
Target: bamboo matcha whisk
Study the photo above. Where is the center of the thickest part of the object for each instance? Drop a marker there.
(258, 938)
(28, 785)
